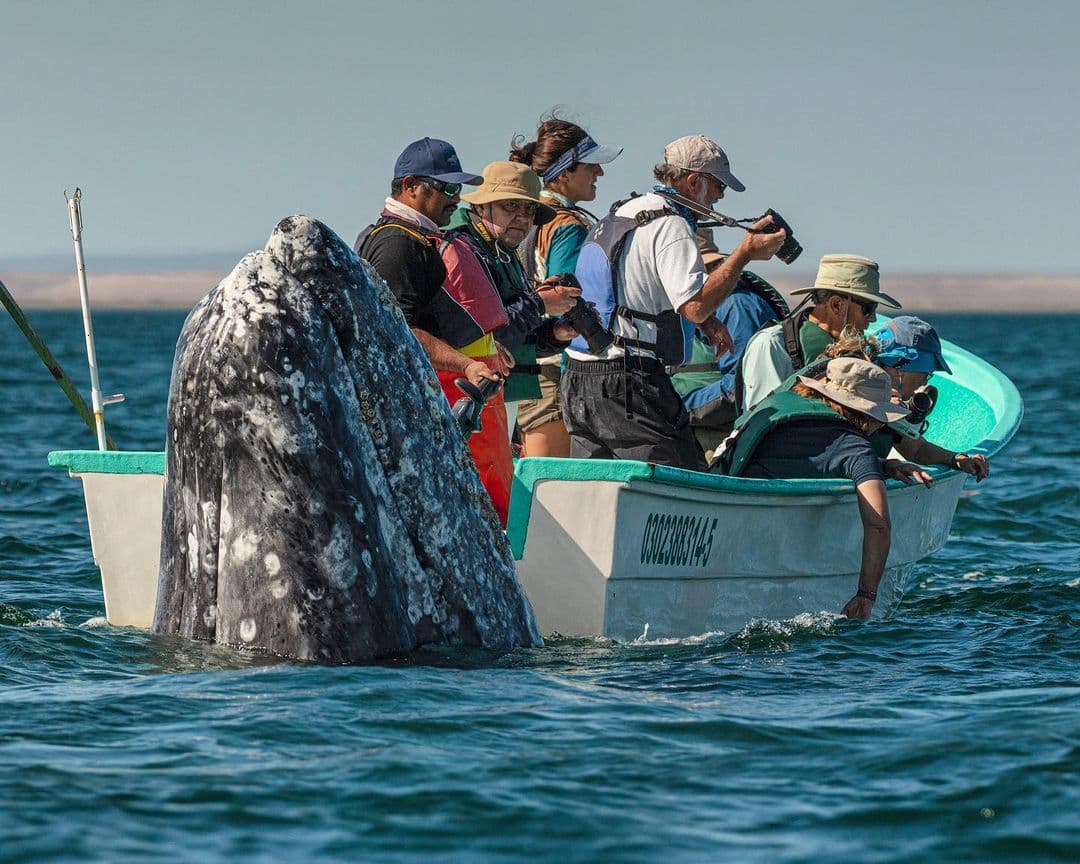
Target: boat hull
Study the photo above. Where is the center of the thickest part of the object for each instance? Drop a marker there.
(634, 559)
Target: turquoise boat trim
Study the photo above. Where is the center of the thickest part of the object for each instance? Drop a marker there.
(108, 461)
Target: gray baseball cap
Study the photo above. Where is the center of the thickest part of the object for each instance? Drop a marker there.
(698, 153)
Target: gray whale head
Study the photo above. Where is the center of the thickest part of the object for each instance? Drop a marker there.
(320, 502)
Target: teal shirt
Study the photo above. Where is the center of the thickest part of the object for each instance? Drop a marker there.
(566, 245)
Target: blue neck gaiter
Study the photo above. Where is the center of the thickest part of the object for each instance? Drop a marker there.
(687, 214)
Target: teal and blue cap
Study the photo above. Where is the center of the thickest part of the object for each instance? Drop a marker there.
(434, 158)
(911, 345)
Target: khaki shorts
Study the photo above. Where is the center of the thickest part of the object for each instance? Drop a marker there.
(534, 413)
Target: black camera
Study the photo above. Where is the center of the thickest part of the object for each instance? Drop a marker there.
(920, 404)
(467, 409)
(584, 318)
(791, 249)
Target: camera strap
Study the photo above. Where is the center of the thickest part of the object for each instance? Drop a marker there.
(713, 219)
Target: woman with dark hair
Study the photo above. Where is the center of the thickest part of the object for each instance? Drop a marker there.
(568, 161)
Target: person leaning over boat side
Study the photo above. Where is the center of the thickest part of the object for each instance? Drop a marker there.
(822, 428)
(709, 393)
(846, 292)
(909, 350)
(568, 161)
(621, 403)
(502, 211)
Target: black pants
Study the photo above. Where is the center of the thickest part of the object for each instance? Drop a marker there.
(594, 395)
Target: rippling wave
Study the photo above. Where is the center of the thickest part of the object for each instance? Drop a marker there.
(949, 732)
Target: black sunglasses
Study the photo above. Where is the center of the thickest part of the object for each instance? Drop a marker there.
(450, 190)
(868, 306)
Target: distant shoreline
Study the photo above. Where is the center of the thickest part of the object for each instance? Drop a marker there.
(930, 292)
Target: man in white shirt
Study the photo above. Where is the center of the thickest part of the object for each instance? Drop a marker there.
(620, 404)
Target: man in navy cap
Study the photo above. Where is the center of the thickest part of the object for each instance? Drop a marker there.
(404, 247)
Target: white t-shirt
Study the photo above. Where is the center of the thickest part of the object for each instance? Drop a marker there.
(660, 268)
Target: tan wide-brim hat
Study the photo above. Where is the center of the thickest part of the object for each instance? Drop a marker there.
(861, 385)
(710, 254)
(511, 180)
(852, 275)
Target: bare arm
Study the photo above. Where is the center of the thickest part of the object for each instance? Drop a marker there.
(722, 281)
(443, 357)
(877, 537)
(927, 453)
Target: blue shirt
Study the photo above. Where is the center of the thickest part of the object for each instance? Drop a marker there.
(743, 313)
(815, 449)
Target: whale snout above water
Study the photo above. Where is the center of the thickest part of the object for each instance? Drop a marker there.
(320, 502)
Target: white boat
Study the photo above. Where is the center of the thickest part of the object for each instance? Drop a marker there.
(625, 549)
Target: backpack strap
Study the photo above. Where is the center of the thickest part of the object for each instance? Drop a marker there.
(790, 328)
(384, 223)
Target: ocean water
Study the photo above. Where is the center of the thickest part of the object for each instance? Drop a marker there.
(949, 732)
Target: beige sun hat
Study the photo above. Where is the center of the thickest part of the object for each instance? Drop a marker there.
(861, 385)
(710, 254)
(852, 275)
(698, 153)
(506, 180)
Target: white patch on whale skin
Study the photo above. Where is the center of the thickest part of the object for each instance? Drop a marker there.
(192, 552)
(296, 381)
(279, 588)
(248, 629)
(226, 515)
(244, 546)
(339, 565)
(273, 563)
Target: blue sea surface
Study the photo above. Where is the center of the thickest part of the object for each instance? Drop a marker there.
(948, 732)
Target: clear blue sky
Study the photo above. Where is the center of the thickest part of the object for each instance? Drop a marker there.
(929, 135)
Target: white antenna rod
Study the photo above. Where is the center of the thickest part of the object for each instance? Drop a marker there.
(75, 213)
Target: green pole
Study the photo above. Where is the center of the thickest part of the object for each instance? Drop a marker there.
(50, 362)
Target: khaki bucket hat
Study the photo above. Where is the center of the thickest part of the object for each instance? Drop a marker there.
(861, 385)
(852, 275)
(511, 180)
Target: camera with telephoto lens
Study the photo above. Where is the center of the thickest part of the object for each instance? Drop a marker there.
(920, 404)
(791, 249)
(584, 318)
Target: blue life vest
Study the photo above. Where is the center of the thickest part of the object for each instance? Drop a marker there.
(597, 271)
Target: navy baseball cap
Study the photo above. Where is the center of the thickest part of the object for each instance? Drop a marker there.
(430, 157)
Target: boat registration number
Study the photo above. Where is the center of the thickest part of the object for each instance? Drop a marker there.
(677, 541)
